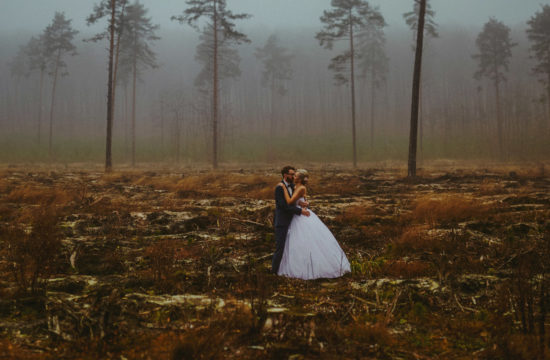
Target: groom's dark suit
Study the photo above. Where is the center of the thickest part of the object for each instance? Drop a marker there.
(283, 216)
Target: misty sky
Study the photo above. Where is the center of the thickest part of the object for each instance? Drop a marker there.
(34, 15)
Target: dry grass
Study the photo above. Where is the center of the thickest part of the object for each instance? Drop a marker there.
(36, 195)
(162, 256)
(447, 209)
(10, 350)
(372, 339)
(32, 255)
(407, 269)
(529, 171)
(214, 185)
(5, 185)
(338, 184)
(356, 215)
(490, 187)
(415, 240)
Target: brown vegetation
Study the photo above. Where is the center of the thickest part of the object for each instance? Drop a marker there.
(37, 195)
(448, 209)
(31, 254)
(176, 265)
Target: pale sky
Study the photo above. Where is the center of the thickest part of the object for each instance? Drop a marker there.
(34, 15)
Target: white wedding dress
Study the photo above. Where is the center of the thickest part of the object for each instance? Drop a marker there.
(311, 251)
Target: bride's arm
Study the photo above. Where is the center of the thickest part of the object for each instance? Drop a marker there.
(297, 194)
(301, 191)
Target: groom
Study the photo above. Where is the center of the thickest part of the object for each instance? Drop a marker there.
(283, 215)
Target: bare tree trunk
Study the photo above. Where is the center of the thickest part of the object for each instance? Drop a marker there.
(352, 78)
(126, 130)
(162, 127)
(372, 100)
(40, 105)
(499, 119)
(177, 134)
(53, 103)
(134, 112)
(416, 91)
(548, 98)
(108, 154)
(271, 123)
(115, 71)
(215, 92)
(421, 124)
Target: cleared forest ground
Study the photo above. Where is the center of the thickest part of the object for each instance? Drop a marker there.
(166, 264)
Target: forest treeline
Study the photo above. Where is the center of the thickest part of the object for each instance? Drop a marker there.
(215, 90)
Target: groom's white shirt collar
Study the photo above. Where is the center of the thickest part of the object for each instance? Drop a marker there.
(288, 187)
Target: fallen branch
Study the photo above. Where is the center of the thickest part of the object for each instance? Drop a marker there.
(249, 222)
(462, 308)
(363, 300)
(391, 308)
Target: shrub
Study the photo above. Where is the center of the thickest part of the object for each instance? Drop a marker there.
(415, 240)
(356, 215)
(162, 256)
(31, 194)
(447, 210)
(32, 254)
(407, 270)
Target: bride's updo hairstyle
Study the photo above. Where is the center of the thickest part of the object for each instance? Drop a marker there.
(301, 174)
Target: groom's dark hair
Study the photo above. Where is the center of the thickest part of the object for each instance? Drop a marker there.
(286, 169)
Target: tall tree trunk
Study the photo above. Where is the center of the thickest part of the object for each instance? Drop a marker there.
(372, 112)
(108, 154)
(352, 78)
(53, 103)
(271, 123)
(177, 137)
(416, 91)
(126, 130)
(215, 92)
(548, 88)
(421, 123)
(499, 119)
(134, 109)
(40, 105)
(115, 70)
(162, 128)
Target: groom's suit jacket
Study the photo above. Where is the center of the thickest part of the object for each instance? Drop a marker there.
(284, 211)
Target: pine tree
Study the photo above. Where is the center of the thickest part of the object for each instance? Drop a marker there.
(36, 54)
(220, 20)
(19, 68)
(228, 61)
(277, 70)
(495, 50)
(343, 22)
(539, 35)
(114, 10)
(373, 62)
(430, 31)
(430, 26)
(58, 37)
(136, 53)
(19, 65)
(413, 135)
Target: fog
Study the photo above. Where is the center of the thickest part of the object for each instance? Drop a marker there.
(312, 119)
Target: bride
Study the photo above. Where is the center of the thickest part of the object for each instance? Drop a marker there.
(311, 251)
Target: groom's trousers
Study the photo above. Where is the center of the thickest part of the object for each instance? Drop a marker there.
(280, 239)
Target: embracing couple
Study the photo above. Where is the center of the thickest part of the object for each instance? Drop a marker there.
(306, 249)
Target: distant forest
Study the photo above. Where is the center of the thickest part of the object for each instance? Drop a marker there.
(298, 111)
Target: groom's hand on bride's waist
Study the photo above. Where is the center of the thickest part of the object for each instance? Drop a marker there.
(305, 212)
(303, 204)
